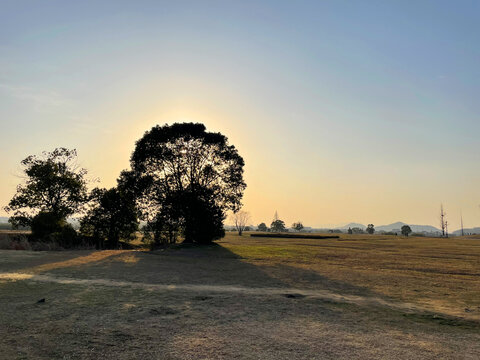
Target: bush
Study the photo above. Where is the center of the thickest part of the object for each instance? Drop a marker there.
(14, 242)
(67, 237)
(54, 242)
(418, 234)
(45, 224)
(47, 228)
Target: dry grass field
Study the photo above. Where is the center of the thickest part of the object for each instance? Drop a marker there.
(357, 297)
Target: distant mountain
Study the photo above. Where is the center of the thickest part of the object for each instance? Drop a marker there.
(352, 225)
(415, 228)
(3, 220)
(395, 226)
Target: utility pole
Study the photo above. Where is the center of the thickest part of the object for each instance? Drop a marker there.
(442, 219)
(461, 222)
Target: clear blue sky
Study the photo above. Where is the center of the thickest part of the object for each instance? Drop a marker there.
(344, 111)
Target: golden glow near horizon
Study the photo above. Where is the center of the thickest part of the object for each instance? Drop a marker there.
(284, 172)
(335, 124)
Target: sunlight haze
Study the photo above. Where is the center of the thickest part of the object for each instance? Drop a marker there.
(344, 112)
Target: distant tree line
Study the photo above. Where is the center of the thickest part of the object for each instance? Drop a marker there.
(182, 182)
(278, 225)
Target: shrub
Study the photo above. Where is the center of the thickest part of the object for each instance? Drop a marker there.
(14, 242)
(45, 224)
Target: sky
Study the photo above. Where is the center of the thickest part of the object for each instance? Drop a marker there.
(362, 111)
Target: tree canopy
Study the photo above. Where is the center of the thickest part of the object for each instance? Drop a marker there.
(370, 229)
(53, 184)
(112, 215)
(277, 226)
(406, 230)
(183, 174)
(298, 226)
(262, 227)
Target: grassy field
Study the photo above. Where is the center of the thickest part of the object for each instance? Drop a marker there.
(357, 297)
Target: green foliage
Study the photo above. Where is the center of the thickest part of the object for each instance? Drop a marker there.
(53, 184)
(112, 216)
(186, 179)
(277, 226)
(203, 219)
(370, 229)
(49, 228)
(298, 226)
(67, 237)
(46, 223)
(406, 230)
(357, 230)
(262, 227)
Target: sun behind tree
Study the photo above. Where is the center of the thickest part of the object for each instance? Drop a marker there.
(186, 179)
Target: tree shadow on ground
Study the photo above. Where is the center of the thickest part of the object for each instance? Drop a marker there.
(91, 321)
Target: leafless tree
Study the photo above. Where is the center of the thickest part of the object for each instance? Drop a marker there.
(241, 219)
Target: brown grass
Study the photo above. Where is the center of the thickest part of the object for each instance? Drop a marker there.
(236, 300)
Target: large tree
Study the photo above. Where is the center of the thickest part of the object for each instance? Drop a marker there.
(54, 184)
(188, 177)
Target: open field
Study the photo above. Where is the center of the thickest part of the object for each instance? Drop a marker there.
(357, 297)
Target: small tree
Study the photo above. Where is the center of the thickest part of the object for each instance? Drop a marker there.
(240, 219)
(111, 217)
(350, 231)
(406, 230)
(278, 226)
(370, 229)
(262, 227)
(298, 226)
(54, 185)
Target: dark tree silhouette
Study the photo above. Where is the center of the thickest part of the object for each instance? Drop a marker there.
(298, 226)
(277, 226)
(112, 216)
(55, 188)
(370, 229)
(406, 230)
(357, 230)
(262, 227)
(187, 178)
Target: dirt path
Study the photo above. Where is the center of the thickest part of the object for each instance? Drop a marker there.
(254, 291)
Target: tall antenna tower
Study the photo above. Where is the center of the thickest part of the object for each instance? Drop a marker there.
(275, 217)
(442, 219)
(446, 229)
